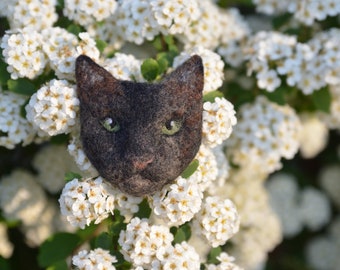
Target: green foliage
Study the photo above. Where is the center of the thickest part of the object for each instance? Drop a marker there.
(212, 256)
(144, 210)
(150, 69)
(21, 86)
(4, 75)
(74, 29)
(4, 265)
(190, 169)
(57, 248)
(183, 233)
(69, 176)
(60, 265)
(101, 45)
(104, 241)
(322, 100)
(212, 95)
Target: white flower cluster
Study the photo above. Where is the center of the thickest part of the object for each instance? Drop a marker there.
(86, 12)
(53, 108)
(304, 11)
(313, 135)
(23, 53)
(226, 263)
(206, 31)
(217, 220)
(175, 16)
(309, 207)
(21, 198)
(51, 163)
(308, 66)
(75, 149)
(265, 133)
(35, 14)
(85, 201)
(322, 252)
(28, 52)
(137, 21)
(329, 181)
(124, 67)
(62, 48)
(260, 230)
(235, 29)
(218, 121)
(149, 246)
(14, 129)
(207, 168)
(94, 260)
(332, 119)
(212, 63)
(6, 247)
(179, 202)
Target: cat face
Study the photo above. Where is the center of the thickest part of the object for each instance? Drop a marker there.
(140, 136)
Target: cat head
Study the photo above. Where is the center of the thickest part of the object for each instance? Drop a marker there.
(140, 136)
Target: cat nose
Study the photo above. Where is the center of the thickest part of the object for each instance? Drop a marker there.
(140, 164)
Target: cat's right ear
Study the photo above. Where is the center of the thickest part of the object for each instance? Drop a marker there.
(93, 81)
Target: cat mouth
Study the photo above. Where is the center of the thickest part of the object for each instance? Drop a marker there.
(138, 185)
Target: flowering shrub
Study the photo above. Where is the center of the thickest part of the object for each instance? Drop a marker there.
(267, 168)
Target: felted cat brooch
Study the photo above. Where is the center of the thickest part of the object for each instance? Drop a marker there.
(140, 136)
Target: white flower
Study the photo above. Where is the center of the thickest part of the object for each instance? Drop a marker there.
(21, 198)
(93, 260)
(6, 247)
(177, 203)
(217, 220)
(52, 162)
(23, 53)
(87, 12)
(313, 135)
(140, 242)
(14, 129)
(265, 132)
(329, 180)
(218, 121)
(212, 63)
(53, 108)
(83, 202)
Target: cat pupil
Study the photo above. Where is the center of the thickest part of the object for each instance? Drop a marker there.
(110, 125)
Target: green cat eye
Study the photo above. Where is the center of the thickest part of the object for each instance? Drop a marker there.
(110, 125)
(172, 127)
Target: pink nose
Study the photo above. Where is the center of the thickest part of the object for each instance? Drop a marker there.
(141, 165)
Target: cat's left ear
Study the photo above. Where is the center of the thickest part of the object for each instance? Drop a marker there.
(189, 76)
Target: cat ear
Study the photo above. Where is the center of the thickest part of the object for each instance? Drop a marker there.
(188, 76)
(92, 78)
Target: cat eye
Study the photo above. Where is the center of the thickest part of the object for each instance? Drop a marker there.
(171, 127)
(110, 125)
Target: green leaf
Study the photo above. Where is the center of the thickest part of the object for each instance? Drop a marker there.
(56, 248)
(150, 69)
(144, 210)
(118, 224)
(212, 256)
(278, 96)
(69, 176)
(101, 45)
(4, 75)
(87, 232)
(212, 95)
(60, 139)
(21, 86)
(181, 234)
(104, 241)
(281, 20)
(163, 64)
(74, 29)
(190, 169)
(322, 99)
(4, 265)
(60, 265)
